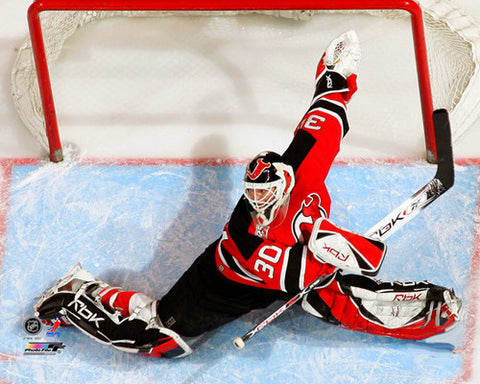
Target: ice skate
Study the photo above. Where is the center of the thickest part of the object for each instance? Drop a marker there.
(49, 305)
(449, 316)
(447, 311)
(443, 312)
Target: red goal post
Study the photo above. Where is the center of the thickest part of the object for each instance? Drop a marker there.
(39, 52)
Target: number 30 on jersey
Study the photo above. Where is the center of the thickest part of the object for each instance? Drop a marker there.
(269, 255)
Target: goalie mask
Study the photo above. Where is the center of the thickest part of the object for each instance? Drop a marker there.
(267, 185)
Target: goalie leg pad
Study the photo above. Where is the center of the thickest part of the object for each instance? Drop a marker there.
(411, 310)
(141, 332)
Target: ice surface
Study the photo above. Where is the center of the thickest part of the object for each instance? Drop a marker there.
(141, 226)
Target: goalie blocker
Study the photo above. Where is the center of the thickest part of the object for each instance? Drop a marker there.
(346, 250)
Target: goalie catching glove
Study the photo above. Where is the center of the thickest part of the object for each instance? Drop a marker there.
(338, 69)
(346, 250)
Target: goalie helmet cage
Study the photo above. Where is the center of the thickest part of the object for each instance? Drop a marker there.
(43, 110)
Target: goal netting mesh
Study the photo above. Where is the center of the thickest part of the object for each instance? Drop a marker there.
(452, 44)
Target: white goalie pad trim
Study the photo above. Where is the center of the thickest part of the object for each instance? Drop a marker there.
(393, 309)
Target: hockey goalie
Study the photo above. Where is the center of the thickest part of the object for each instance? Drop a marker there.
(277, 240)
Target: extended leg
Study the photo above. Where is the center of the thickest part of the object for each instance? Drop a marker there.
(126, 320)
(410, 310)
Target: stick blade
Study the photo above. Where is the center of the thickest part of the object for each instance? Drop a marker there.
(443, 139)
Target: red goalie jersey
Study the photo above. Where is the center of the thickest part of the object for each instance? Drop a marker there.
(276, 256)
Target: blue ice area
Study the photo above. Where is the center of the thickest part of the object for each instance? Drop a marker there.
(141, 226)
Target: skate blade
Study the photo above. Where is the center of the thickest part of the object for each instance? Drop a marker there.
(62, 281)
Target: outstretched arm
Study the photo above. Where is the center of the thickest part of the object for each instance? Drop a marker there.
(320, 131)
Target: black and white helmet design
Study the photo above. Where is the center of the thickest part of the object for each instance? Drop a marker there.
(267, 184)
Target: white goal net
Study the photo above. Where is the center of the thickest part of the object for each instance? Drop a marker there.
(176, 69)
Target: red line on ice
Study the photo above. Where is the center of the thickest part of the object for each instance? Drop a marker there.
(474, 294)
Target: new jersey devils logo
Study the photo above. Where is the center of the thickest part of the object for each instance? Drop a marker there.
(260, 166)
(310, 210)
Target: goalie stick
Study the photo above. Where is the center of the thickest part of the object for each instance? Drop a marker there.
(443, 180)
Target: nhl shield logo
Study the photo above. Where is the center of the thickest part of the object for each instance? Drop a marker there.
(32, 326)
